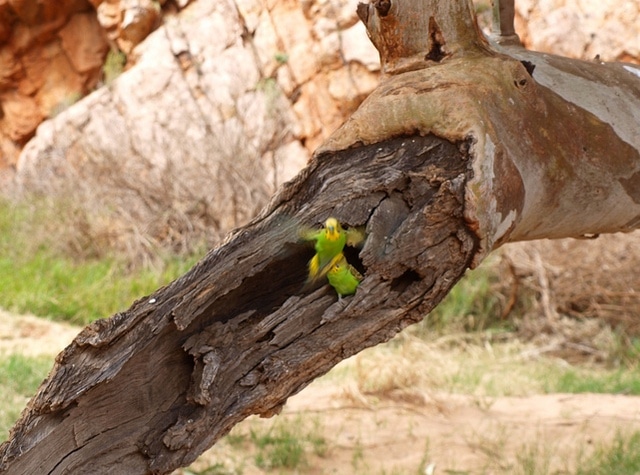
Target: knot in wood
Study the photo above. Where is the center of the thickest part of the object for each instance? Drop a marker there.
(382, 6)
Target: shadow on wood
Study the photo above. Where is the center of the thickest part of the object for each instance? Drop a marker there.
(151, 388)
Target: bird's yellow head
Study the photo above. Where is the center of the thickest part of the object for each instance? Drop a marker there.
(332, 229)
(336, 269)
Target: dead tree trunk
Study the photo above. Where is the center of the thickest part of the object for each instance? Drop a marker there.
(153, 387)
(460, 149)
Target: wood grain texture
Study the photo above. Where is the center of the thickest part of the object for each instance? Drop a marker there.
(151, 388)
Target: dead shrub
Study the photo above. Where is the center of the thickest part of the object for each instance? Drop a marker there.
(586, 305)
(140, 207)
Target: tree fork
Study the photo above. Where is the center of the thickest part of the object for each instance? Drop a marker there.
(464, 146)
(555, 143)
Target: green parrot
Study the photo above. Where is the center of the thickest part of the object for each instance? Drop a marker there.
(330, 241)
(343, 277)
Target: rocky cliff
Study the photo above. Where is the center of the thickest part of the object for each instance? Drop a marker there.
(52, 54)
(218, 106)
(581, 28)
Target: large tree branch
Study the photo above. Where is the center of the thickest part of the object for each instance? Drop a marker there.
(239, 333)
(462, 147)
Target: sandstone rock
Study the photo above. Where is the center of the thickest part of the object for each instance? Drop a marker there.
(251, 109)
(109, 16)
(60, 86)
(51, 54)
(10, 70)
(188, 124)
(300, 44)
(128, 22)
(21, 115)
(7, 17)
(250, 11)
(139, 17)
(581, 28)
(8, 149)
(355, 49)
(350, 85)
(294, 40)
(296, 43)
(83, 42)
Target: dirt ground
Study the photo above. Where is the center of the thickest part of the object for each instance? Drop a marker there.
(418, 431)
(33, 336)
(443, 432)
(462, 434)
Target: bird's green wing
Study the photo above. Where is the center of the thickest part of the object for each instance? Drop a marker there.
(308, 234)
(355, 273)
(317, 270)
(355, 236)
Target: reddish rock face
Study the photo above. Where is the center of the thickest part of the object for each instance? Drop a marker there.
(51, 54)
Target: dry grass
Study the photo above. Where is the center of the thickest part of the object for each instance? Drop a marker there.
(100, 200)
(586, 304)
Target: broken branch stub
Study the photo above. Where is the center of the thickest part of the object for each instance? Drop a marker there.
(502, 25)
(410, 34)
(555, 143)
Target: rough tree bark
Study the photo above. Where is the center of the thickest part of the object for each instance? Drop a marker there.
(464, 146)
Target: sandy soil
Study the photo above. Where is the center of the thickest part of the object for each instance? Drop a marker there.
(33, 336)
(458, 433)
(438, 432)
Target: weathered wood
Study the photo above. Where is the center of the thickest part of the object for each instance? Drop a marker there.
(413, 35)
(151, 388)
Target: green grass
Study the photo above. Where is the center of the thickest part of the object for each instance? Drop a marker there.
(621, 457)
(37, 276)
(285, 444)
(574, 380)
(278, 449)
(217, 468)
(277, 445)
(534, 459)
(473, 305)
(20, 376)
(114, 65)
(60, 288)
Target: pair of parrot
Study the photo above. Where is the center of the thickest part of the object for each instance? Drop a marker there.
(329, 259)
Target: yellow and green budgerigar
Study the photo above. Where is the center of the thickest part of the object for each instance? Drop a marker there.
(343, 277)
(329, 243)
